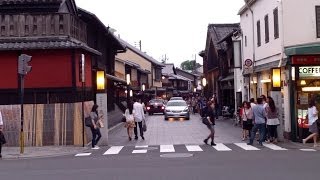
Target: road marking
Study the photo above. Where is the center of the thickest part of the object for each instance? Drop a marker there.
(140, 151)
(113, 150)
(274, 147)
(167, 148)
(246, 147)
(145, 146)
(193, 148)
(83, 154)
(221, 147)
(310, 150)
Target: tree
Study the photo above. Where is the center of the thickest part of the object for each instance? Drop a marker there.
(189, 65)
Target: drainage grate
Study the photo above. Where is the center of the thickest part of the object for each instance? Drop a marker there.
(176, 155)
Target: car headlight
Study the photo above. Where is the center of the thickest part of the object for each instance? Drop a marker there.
(185, 110)
(167, 110)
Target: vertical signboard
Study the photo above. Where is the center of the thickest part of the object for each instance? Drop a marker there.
(102, 110)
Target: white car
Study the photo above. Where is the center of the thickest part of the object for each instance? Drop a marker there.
(176, 109)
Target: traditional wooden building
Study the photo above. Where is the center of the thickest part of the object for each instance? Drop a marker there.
(218, 63)
(53, 33)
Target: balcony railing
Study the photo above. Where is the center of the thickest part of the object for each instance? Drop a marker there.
(42, 25)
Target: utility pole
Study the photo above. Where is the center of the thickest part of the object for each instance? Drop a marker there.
(23, 69)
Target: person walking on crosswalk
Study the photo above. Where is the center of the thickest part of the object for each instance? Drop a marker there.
(259, 115)
(312, 121)
(208, 113)
(139, 117)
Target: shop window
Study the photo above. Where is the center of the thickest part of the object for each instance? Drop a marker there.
(258, 34)
(266, 28)
(276, 23)
(157, 74)
(318, 20)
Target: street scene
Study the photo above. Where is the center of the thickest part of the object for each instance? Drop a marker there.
(159, 89)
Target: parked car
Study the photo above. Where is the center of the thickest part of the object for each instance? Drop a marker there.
(155, 106)
(177, 109)
(176, 98)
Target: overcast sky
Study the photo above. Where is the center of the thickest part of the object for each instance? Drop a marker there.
(177, 28)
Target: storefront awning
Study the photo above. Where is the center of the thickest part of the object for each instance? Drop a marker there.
(116, 79)
(308, 49)
(228, 78)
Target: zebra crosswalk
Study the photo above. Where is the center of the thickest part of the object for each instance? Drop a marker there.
(220, 147)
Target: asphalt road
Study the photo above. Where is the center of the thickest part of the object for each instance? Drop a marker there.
(251, 165)
(206, 163)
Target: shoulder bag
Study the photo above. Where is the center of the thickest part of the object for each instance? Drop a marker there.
(88, 121)
(144, 125)
(249, 121)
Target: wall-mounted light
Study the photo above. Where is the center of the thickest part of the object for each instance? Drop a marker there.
(143, 87)
(204, 82)
(131, 93)
(254, 80)
(276, 79)
(293, 73)
(163, 77)
(100, 80)
(194, 89)
(265, 81)
(303, 82)
(128, 79)
(308, 89)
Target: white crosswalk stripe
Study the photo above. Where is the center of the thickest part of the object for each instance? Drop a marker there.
(274, 147)
(113, 150)
(309, 150)
(140, 149)
(221, 147)
(167, 148)
(83, 154)
(246, 147)
(193, 148)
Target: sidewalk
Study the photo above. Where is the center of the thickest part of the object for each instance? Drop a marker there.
(40, 152)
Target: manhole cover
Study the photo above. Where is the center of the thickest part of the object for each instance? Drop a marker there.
(176, 155)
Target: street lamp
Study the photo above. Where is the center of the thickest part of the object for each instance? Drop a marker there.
(143, 88)
(128, 88)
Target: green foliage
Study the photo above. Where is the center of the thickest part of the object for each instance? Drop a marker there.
(189, 65)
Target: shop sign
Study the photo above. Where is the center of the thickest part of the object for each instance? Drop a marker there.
(248, 66)
(303, 60)
(309, 72)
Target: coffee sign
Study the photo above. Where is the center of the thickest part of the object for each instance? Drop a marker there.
(309, 72)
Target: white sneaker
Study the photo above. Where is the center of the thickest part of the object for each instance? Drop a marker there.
(95, 147)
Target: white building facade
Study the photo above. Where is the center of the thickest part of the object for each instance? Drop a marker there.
(272, 30)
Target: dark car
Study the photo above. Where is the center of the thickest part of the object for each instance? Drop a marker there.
(155, 106)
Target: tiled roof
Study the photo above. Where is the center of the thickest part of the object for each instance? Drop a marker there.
(168, 69)
(179, 77)
(45, 44)
(3, 2)
(144, 55)
(245, 7)
(219, 31)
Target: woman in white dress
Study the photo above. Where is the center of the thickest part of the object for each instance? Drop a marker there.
(128, 114)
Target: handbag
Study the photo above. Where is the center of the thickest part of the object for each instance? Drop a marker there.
(144, 126)
(2, 138)
(88, 121)
(123, 119)
(249, 121)
(205, 121)
(100, 124)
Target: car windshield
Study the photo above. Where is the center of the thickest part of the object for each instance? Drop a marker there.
(156, 101)
(176, 103)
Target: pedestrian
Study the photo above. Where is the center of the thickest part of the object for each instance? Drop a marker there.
(252, 103)
(208, 113)
(128, 114)
(265, 104)
(95, 128)
(1, 134)
(247, 116)
(312, 121)
(272, 120)
(259, 115)
(139, 117)
(194, 105)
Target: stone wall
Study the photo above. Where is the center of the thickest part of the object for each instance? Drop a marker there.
(46, 124)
